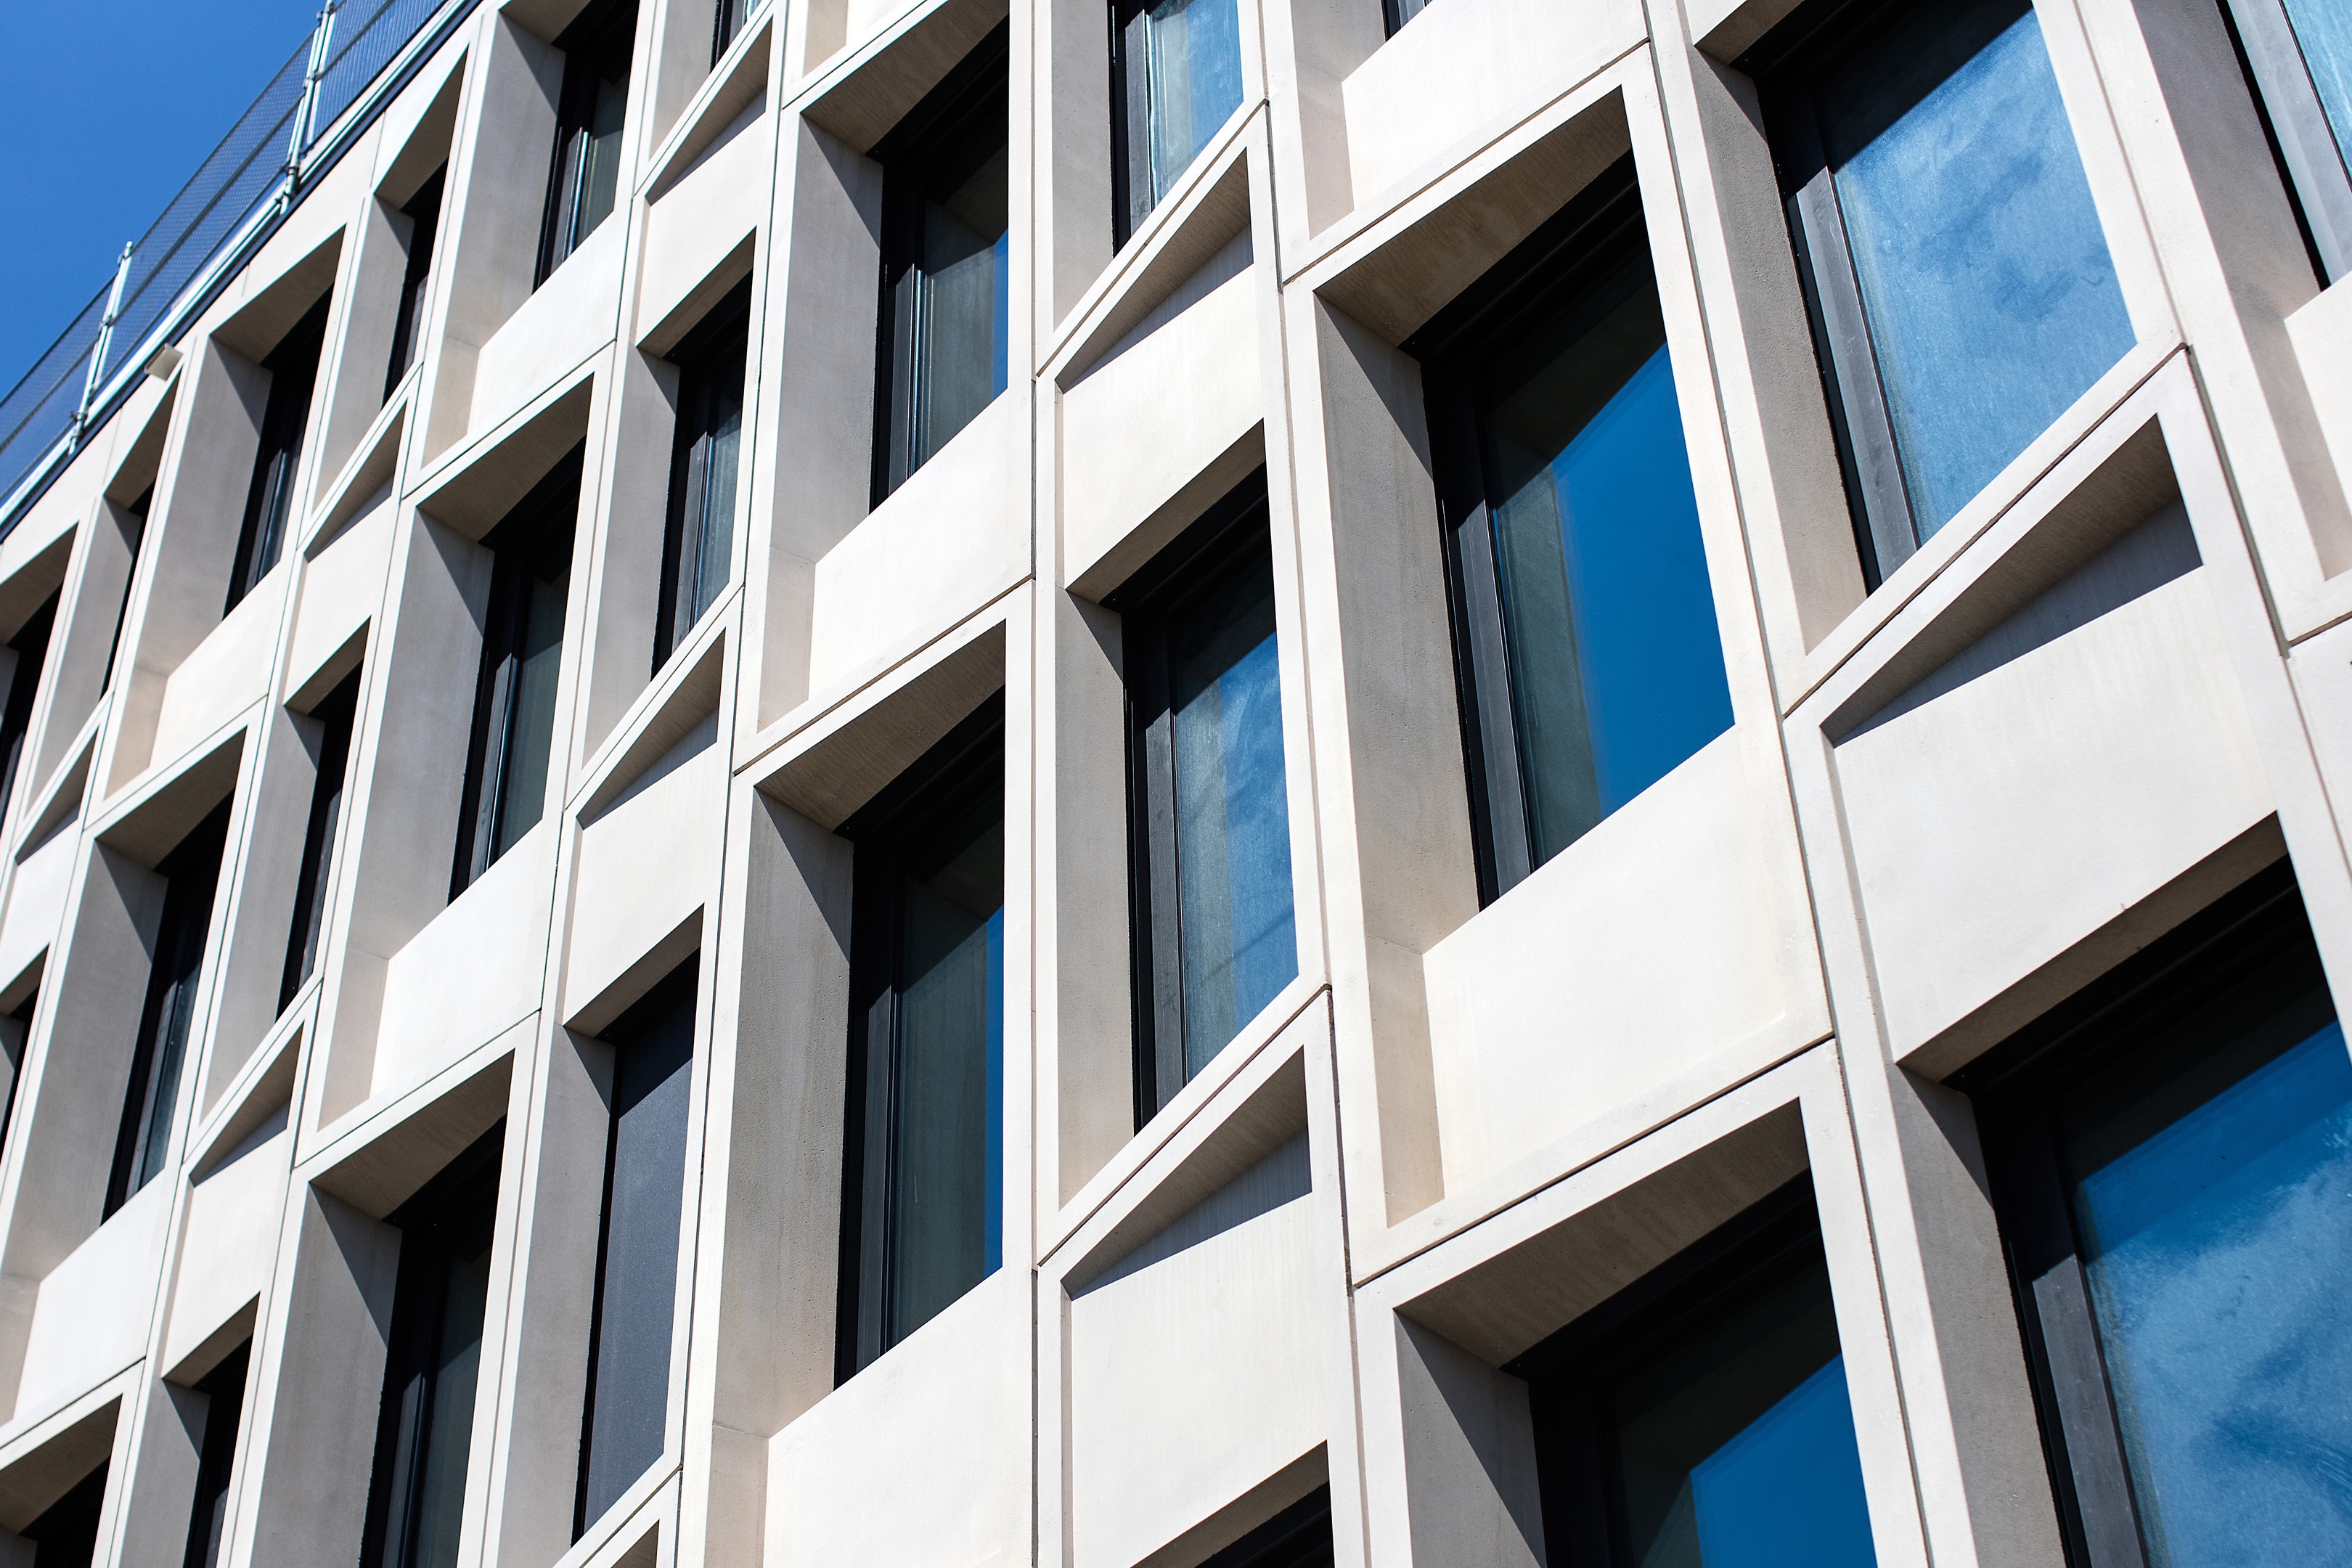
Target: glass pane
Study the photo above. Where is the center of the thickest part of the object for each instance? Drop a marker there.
(1616, 664)
(721, 449)
(1738, 1450)
(523, 793)
(963, 326)
(1991, 298)
(2323, 28)
(1233, 813)
(600, 155)
(2214, 1203)
(171, 1050)
(1193, 61)
(457, 1370)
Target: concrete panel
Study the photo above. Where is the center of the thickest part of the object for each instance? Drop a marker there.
(37, 898)
(343, 590)
(231, 1238)
(647, 861)
(226, 672)
(570, 315)
(692, 225)
(92, 1316)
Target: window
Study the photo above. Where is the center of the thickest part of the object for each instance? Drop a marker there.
(703, 469)
(66, 1535)
(2298, 54)
(1585, 639)
(143, 1146)
(944, 279)
(922, 1189)
(137, 540)
(293, 367)
(424, 213)
(1700, 1415)
(15, 1040)
(636, 1256)
(224, 1392)
(732, 15)
(2171, 1153)
(416, 1492)
(1208, 803)
(1960, 288)
(31, 647)
(1395, 14)
(522, 660)
(333, 717)
(1175, 80)
(585, 179)
(1298, 1537)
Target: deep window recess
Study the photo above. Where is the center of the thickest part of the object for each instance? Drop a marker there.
(922, 1188)
(1960, 288)
(416, 1492)
(2171, 1153)
(293, 367)
(732, 15)
(1700, 1415)
(1215, 939)
(224, 1392)
(2298, 54)
(522, 660)
(31, 647)
(333, 716)
(424, 213)
(704, 467)
(1586, 646)
(66, 1536)
(585, 179)
(138, 540)
(190, 872)
(637, 1257)
(15, 1041)
(1298, 1537)
(944, 279)
(1175, 80)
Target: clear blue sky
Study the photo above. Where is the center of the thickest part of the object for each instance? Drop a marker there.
(106, 110)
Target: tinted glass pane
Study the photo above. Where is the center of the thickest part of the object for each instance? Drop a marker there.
(723, 448)
(1233, 813)
(455, 1372)
(2323, 28)
(1616, 665)
(532, 729)
(1193, 61)
(963, 329)
(600, 153)
(1991, 299)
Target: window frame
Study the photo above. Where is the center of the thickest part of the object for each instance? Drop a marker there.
(604, 32)
(335, 713)
(422, 211)
(31, 645)
(718, 349)
(293, 366)
(2310, 161)
(727, 24)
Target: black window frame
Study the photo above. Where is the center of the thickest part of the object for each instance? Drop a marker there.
(31, 647)
(603, 33)
(224, 1389)
(710, 359)
(422, 211)
(726, 24)
(335, 714)
(2311, 163)
(293, 367)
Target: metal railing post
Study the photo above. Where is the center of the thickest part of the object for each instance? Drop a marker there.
(308, 108)
(97, 376)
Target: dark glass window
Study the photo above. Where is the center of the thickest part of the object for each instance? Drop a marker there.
(137, 540)
(293, 367)
(923, 1217)
(585, 180)
(637, 1258)
(333, 716)
(224, 1392)
(14, 1042)
(944, 279)
(66, 1535)
(729, 21)
(416, 1492)
(1962, 292)
(522, 660)
(2172, 1157)
(1699, 1418)
(704, 467)
(424, 213)
(2298, 55)
(1298, 1537)
(1208, 801)
(1397, 13)
(190, 872)
(1585, 637)
(1175, 80)
(31, 647)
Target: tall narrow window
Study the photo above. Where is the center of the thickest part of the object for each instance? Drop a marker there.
(523, 661)
(31, 647)
(1176, 79)
(1584, 626)
(1699, 1418)
(142, 1148)
(726, 24)
(15, 1040)
(923, 1183)
(416, 1492)
(704, 464)
(293, 367)
(2172, 1157)
(224, 1392)
(944, 281)
(66, 1535)
(333, 716)
(135, 536)
(2298, 54)
(1961, 291)
(585, 180)
(422, 211)
(1208, 803)
(636, 1256)
(1397, 13)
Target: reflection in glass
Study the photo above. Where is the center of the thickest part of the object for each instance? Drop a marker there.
(705, 457)
(1179, 71)
(585, 178)
(2323, 29)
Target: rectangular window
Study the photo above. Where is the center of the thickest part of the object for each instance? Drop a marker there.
(424, 213)
(2171, 1153)
(31, 647)
(142, 1148)
(1585, 645)
(944, 277)
(66, 1536)
(1208, 800)
(1175, 80)
(333, 716)
(137, 540)
(2298, 54)
(732, 15)
(704, 466)
(637, 1255)
(293, 367)
(1700, 1415)
(923, 1179)
(224, 1392)
(1960, 288)
(522, 662)
(16, 1039)
(585, 179)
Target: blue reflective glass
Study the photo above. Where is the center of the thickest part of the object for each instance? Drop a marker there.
(1193, 60)
(1992, 300)
(2324, 30)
